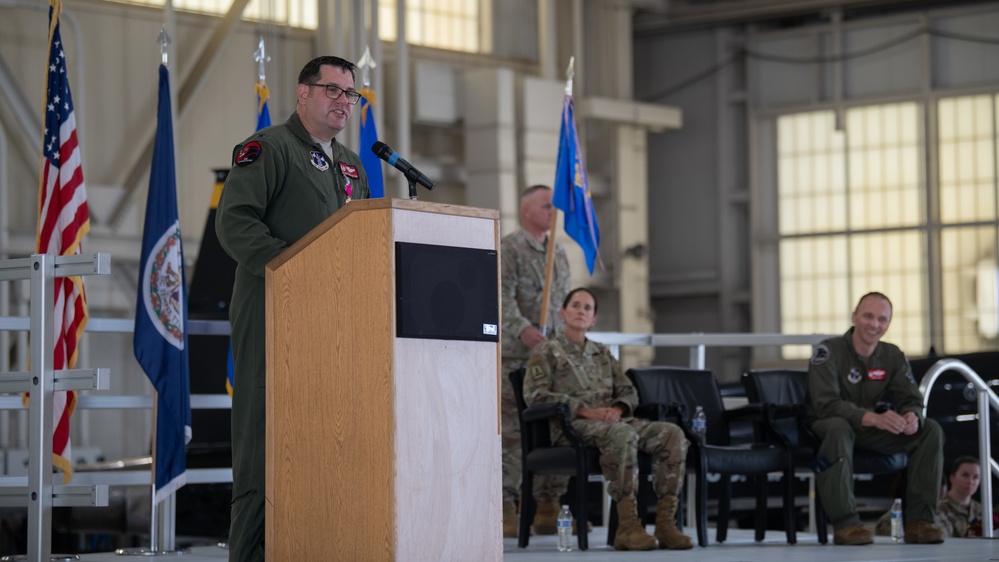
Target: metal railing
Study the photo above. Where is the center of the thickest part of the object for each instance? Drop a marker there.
(42, 381)
(697, 344)
(987, 401)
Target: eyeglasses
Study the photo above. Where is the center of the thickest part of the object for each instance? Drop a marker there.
(334, 92)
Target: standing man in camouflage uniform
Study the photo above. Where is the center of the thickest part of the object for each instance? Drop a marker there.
(285, 180)
(523, 264)
(861, 392)
(584, 375)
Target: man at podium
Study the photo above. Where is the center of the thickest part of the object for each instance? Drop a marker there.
(285, 180)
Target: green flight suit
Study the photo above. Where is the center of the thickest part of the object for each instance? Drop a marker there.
(282, 185)
(841, 388)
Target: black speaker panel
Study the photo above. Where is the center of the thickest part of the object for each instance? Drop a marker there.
(446, 292)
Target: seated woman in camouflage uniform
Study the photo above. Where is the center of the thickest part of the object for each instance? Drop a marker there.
(583, 374)
(957, 514)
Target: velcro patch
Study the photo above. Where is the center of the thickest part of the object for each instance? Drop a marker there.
(348, 170)
(820, 355)
(249, 153)
(876, 374)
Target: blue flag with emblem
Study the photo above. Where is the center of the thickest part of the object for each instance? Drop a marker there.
(571, 192)
(161, 311)
(369, 136)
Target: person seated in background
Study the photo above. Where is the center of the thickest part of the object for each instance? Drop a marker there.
(861, 392)
(957, 514)
(583, 374)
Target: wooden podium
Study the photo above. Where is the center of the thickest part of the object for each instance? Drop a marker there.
(379, 447)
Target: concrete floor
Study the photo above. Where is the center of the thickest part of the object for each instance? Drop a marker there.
(739, 548)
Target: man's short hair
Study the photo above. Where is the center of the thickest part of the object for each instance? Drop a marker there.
(313, 69)
(875, 294)
(532, 189)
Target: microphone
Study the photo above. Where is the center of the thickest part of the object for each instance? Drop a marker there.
(383, 151)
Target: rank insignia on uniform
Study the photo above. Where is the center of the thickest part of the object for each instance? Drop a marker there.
(348, 171)
(319, 161)
(876, 374)
(249, 153)
(820, 355)
(854, 376)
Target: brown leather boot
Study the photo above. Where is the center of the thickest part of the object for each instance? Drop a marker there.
(853, 535)
(631, 533)
(922, 531)
(546, 517)
(509, 520)
(666, 532)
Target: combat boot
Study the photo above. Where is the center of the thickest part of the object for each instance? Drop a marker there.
(631, 533)
(922, 531)
(546, 517)
(509, 520)
(666, 532)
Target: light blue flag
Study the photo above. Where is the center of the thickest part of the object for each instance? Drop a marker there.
(369, 136)
(161, 311)
(572, 192)
(263, 114)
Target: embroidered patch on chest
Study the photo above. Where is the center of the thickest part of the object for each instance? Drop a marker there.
(319, 161)
(876, 374)
(854, 376)
(348, 171)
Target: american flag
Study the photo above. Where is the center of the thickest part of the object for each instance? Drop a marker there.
(63, 220)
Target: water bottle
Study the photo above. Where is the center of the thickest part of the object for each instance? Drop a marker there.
(897, 528)
(700, 423)
(565, 530)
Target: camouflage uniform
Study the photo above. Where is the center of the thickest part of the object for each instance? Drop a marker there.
(523, 265)
(954, 519)
(588, 375)
(957, 520)
(841, 388)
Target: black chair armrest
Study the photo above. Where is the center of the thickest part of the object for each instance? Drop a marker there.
(784, 411)
(754, 412)
(555, 411)
(542, 412)
(653, 411)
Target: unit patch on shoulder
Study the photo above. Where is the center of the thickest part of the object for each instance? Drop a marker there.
(319, 161)
(820, 355)
(249, 153)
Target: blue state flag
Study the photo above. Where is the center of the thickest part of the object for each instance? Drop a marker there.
(572, 192)
(369, 136)
(161, 311)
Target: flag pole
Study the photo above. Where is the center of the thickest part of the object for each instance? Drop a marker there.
(550, 251)
(154, 549)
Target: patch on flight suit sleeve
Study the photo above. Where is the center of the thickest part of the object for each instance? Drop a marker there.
(248, 154)
(820, 355)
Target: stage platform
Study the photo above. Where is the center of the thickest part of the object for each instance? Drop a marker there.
(739, 548)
